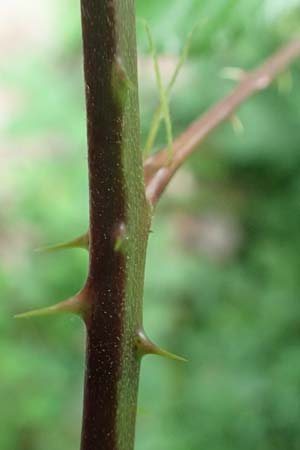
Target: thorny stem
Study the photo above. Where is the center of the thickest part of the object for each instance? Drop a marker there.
(119, 224)
(158, 170)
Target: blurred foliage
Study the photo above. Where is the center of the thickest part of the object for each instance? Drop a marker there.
(222, 279)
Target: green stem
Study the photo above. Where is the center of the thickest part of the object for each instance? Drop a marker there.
(118, 213)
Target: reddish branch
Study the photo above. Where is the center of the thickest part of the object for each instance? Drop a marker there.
(159, 170)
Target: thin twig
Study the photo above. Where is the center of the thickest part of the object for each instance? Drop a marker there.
(159, 170)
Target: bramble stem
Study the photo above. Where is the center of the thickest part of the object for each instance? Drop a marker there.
(119, 225)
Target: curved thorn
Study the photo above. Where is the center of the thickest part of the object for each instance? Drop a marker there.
(146, 347)
(74, 305)
(79, 242)
(165, 354)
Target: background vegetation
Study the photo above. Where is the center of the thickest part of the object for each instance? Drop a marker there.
(222, 282)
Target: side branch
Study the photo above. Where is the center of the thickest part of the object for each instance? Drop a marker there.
(158, 171)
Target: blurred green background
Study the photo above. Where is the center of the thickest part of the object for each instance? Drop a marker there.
(222, 279)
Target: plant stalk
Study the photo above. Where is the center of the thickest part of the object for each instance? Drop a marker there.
(119, 225)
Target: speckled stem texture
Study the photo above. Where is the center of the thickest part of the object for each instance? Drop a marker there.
(119, 225)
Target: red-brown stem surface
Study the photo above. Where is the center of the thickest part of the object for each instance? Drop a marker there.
(158, 170)
(119, 224)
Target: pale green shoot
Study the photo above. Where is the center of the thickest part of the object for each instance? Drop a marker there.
(164, 111)
(158, 114)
